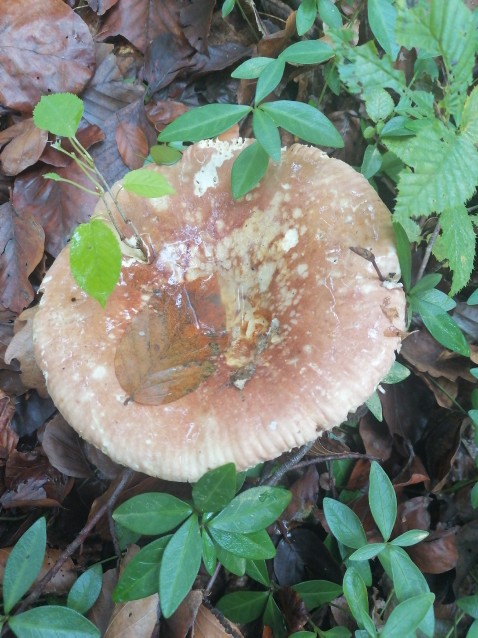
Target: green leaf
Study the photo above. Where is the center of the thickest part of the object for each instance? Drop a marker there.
(305, 17)
(407, 616)
(362, 69)
(233, 563)
(52, 621)
(243, 606)
(372, 161)
(248, 169)
(398, 126)
(316, 593)
(152, 513)
(456, 244)
(147, 183)
(307, 52)
(442, 327)
(329, 14)
(253, 546)
(474, 491)
(163, 154)
(269, 79)
(378, 103)
(426, 283)
(203, 122)
(382, 500)
(209, 556)
(227, 7)
(251, 69)
(95, 259)
(86, 589)
(252, 511)
(23, 564)
(367, 551)
(344, 524)
(412, 537)
(469, 604)
(382, 16)
(374, 404)
(179, 566)
(355, 593)
(140, 577)
(274, 619)
(469, 119)
(473, 298)
(215, 489)
(267, 134)
(59, 114)
(433, 297)
(304, 634)
(407, 578)
(404, 252)
(257, 570)
(445, 170)
(305, 121)
(397, 373)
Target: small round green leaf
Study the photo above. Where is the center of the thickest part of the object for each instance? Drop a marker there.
(59, 114)
(307, 52)
(23, 564)
(52, 621)
(152, 513)
(215, 489)
(248, 169)
(344, 524)
(382, 500)
(163, 154)
(243, 606)
(95, 259)
(85, 591)
(203, 122)
(147, 183)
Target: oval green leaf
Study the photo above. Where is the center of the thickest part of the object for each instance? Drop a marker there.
(305, 17)
(209, 555)
(469, 604)
(382, 500)
(147, 183)
(52, 621)
(367, 551)
(23, 564)
(329, 14)
(85, 591)
(163, 154)
(254, 546)
(356, 595)
(344, 524)
(267, 134)
(248, 169)
(59, 114)
(152, 513)
(251, 69)
(269, 79)
(316, 593)
(407, 616)
(442, 327)
(203, 122)
(95, 259)
(234, 564)
(307, 52)
(257, 570)
(215, 489)
(243, 606)
(305, 121)
(412, 537)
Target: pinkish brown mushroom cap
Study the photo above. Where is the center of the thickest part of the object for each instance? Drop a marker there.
(254, 329)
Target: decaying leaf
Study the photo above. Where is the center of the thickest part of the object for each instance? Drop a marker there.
(207, 625)
(45, 47)
(170, 347)
(24, 149)
(64, 450)
(8, 438)
(21, 248)
(132, 144)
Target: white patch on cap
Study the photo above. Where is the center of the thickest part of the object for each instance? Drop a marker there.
(99, 373)
(290, 239)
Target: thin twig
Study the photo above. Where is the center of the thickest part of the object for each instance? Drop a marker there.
(367, 254)
(344, 456)
(213, 578)
(291, 462)
(79, 540)
(428, 251)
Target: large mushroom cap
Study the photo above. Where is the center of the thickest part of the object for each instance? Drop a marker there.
(255, 328)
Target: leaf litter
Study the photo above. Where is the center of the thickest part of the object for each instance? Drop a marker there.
(105, 53)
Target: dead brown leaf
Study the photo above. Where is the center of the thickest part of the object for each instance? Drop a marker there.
(305, 492)
(45, 47)
(436, 554)
(195, 19)
(179, 624)
(161, 113)
(21, 248)
(63, 447)
(101, 611)
(24, 150)
(8, 438)
(101, 6)
(207, 625)
(132, 144)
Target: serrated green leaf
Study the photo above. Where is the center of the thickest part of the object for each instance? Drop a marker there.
(215, 489)
(316, 593)
(140, 577)
(59, 113)
(442, 327)
(152, 513)
(52, 621)
(404, 252)
(469, 119)
(407, 616)
(248, 169)
(367, 552)
(382, 16)
(378, 103)
(257, 570)
(412, 537)
(305, 17)
(23, 564)
(95, 259)
(251, 69)
(253, 546)
(469, 604)
(397, 373)
(252, 511)
(344, 524)
(85, 590)
(362, 69)
(243, 606)
(445, 170)
(456, 244)
(179, 566)
(307, 52)
(269, 79)
(382, 500)
(372, 162)
(203, 122)
(305, 121)
(329, 14)
(355, 593)
(147, 183)
(267, 134)
(165, 155)
(209, 556)
(374, 404)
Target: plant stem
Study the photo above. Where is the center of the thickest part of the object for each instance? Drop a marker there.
(428, 251)
(75, 184)
(290, 463)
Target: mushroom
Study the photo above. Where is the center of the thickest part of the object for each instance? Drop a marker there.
(254, 328)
